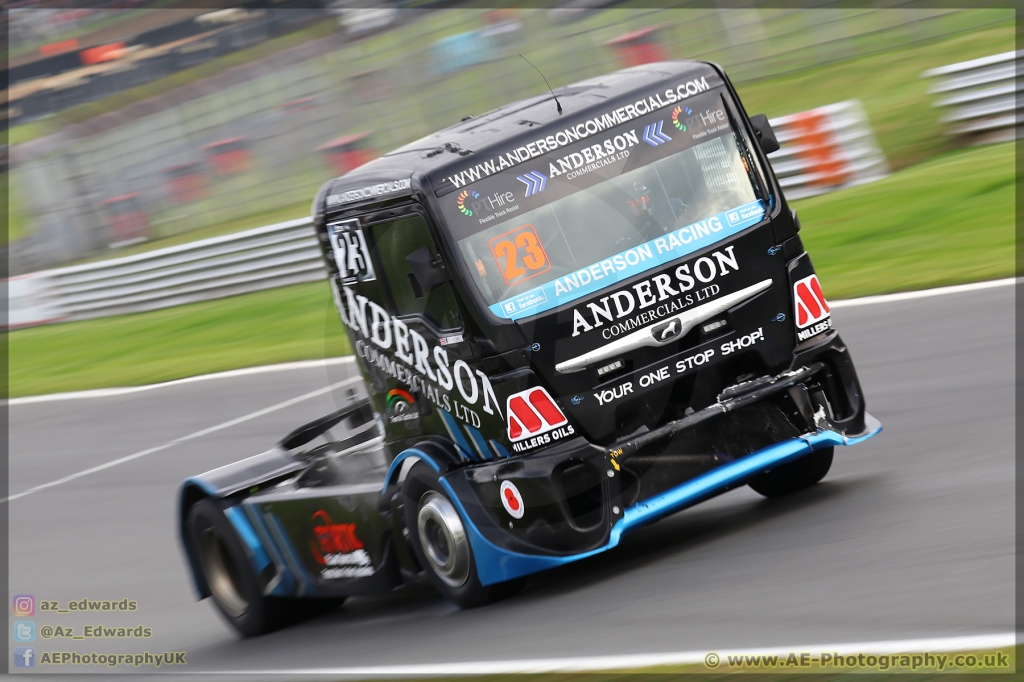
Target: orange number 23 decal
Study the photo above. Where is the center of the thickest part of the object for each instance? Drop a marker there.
(519, 254)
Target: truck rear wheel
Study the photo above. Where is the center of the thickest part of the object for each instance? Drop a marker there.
(441, 544)
(794, 476)
(232, 580)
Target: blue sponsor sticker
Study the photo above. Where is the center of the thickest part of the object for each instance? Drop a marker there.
(516, 304)
(622, 266)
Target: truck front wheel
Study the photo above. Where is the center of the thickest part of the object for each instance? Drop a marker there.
(440, 542)
(794, 476)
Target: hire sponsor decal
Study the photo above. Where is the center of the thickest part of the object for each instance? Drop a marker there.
(380, 189)
(464, 196)
(657, 252)
(580, 131)
(534, 420)
(655, 297)
(812, 312)
(511, 499)
(401, 406)
(684, 119)
(678, 120)
(351, 254)
(491, 207)
(402, 353)
(336, 547)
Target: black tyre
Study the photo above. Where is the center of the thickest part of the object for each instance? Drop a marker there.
(794, 476)
(441, 544)
(232, 581)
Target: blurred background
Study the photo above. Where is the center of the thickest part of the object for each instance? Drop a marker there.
(153, 134)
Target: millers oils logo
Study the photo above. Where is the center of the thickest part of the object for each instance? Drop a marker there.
(675, 117)
(400, 406)
(812, 311)
(534, 420)
(463, 195)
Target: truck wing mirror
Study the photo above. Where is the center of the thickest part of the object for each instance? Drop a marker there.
(428, 271)
(765, 134)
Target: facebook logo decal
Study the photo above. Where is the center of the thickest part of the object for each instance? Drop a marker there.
(24, 657)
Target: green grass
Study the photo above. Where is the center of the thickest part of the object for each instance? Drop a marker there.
(17, 223)
(947, 221)
(291, 323)
(890, 87)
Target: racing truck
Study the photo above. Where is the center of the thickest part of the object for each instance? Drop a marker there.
(573, 316)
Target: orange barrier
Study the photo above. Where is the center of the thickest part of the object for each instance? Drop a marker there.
(638, 47)
(59, 48)
(348, 152)
(229, 157)
(102, 53)
(824, 149)
(818, 149)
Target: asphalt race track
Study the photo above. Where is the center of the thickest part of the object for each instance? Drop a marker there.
(911, 535)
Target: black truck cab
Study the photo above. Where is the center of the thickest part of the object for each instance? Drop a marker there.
(572, 318)
(532, 291)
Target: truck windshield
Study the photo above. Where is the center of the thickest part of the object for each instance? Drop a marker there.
(581, 218)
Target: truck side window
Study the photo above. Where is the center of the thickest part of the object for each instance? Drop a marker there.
(393, 241)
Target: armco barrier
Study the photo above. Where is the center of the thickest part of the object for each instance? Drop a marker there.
(980, 97)
(263, 258)
(822, 150)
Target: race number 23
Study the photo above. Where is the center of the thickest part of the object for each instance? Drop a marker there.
(519, 254)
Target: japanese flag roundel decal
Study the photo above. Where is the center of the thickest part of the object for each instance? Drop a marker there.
(511, 500)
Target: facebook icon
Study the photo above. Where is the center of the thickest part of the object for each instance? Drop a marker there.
(24, 657)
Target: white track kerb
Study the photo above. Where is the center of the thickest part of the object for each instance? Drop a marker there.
(582, 664)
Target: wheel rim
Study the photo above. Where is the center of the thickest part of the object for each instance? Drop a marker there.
(221, 573)
(443, 539)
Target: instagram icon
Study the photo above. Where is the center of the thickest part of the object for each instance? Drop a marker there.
(24, 605)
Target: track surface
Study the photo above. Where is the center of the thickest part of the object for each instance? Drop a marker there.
(911, 534)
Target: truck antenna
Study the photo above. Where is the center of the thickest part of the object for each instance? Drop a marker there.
(545, 83)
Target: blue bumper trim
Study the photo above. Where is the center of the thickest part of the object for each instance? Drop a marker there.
(495, 565)
(245, 531)
(287, 585)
